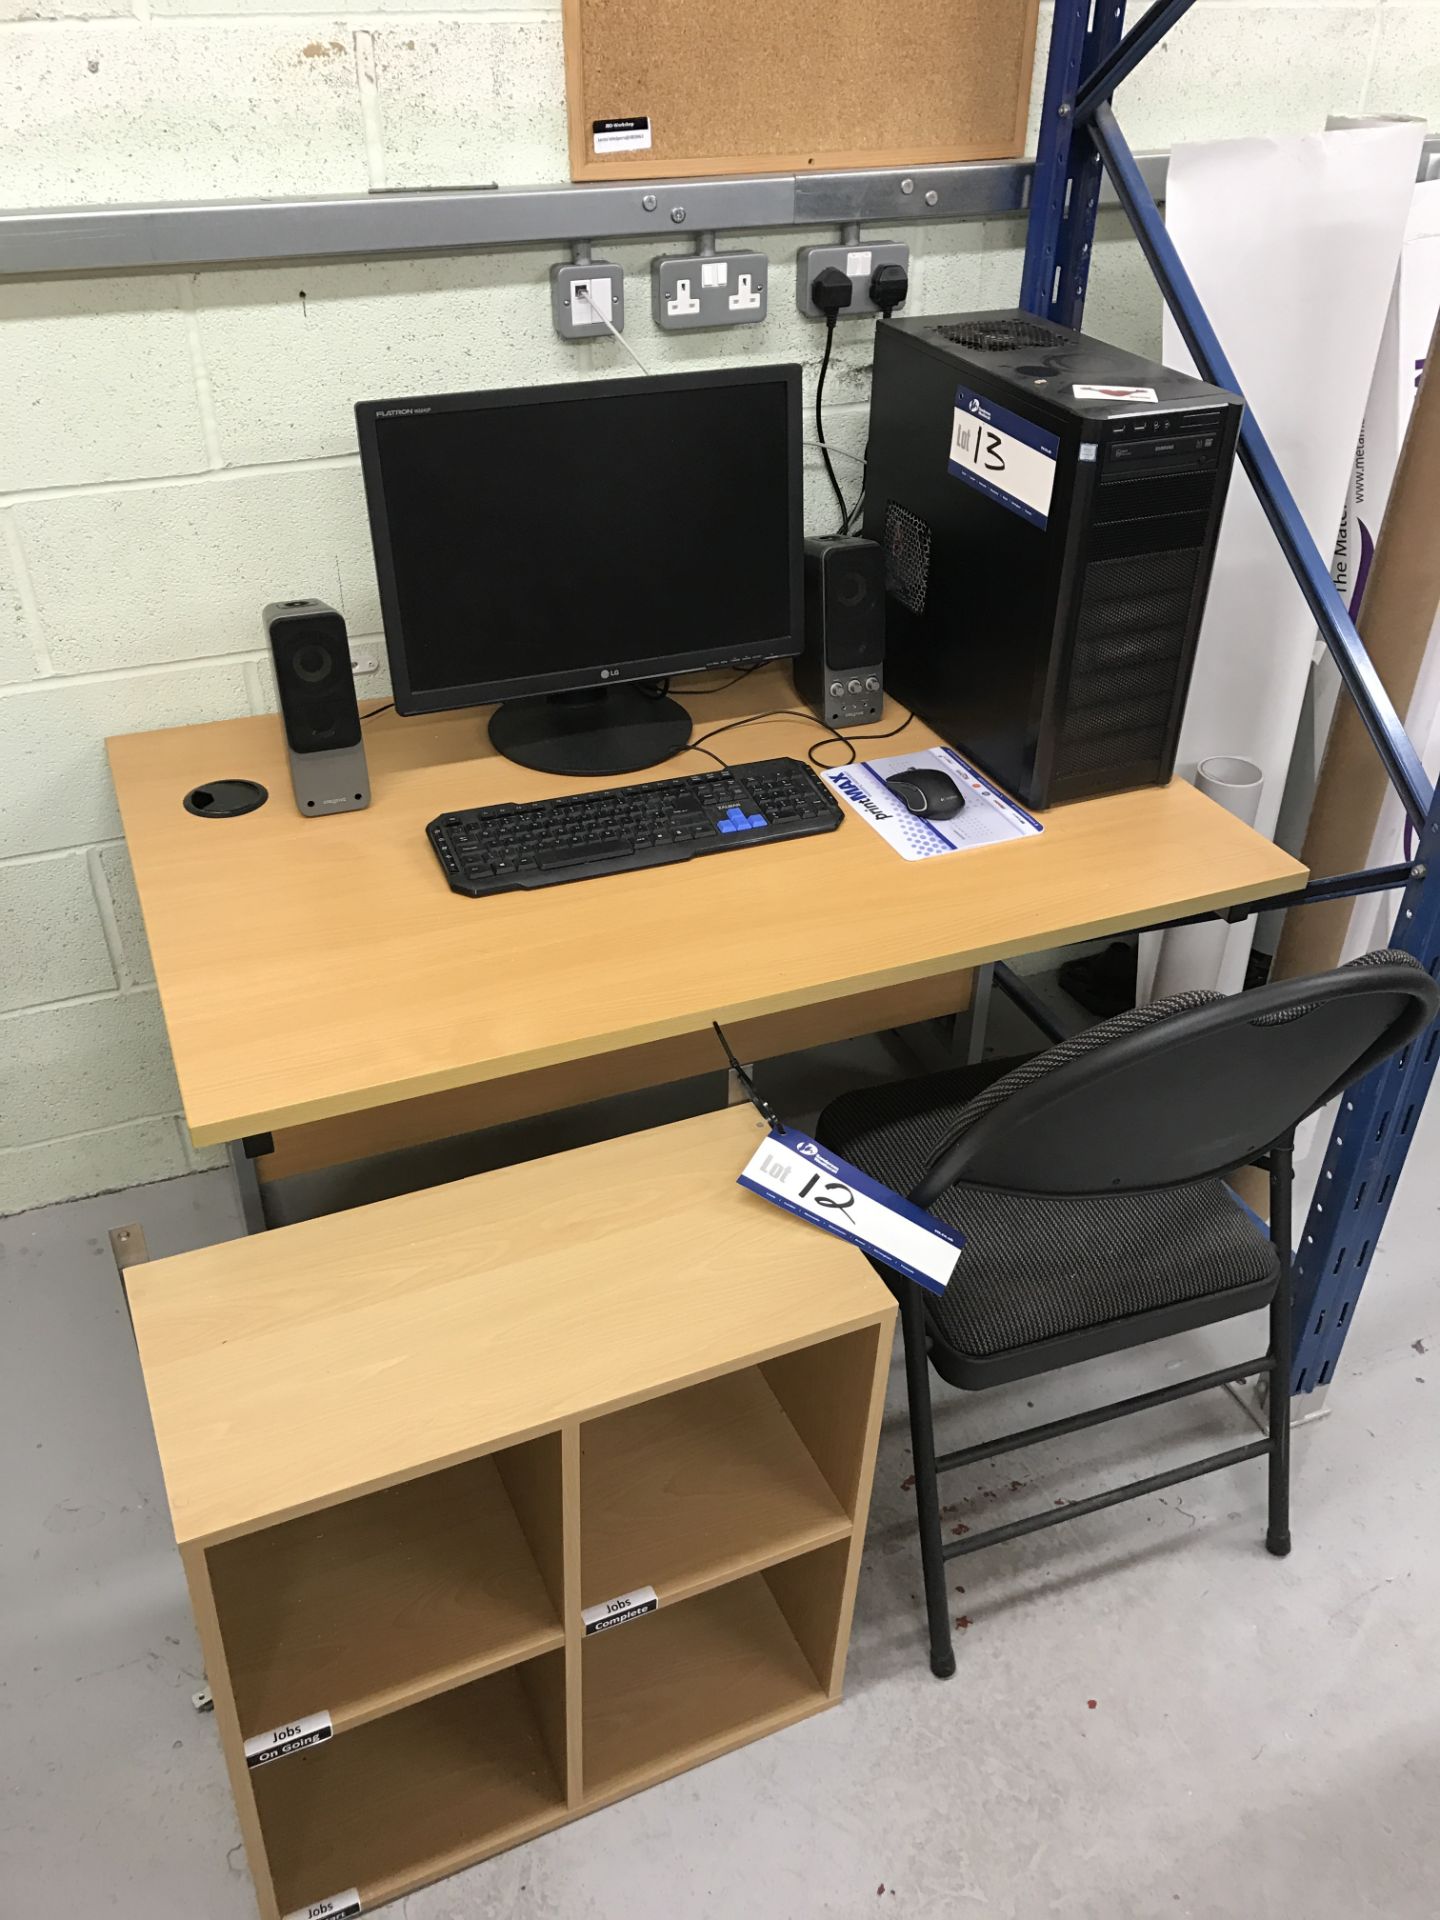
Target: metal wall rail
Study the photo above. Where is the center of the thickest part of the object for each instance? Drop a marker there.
(361, 226)
(1377, 1118)
(211, 233)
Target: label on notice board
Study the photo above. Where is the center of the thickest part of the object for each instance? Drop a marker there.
(797, 1173)
(294, 1737)
(339, 1906)
(615, 1613)
(621, 136)
(1000, 453)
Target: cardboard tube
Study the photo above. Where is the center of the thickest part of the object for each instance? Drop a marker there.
(1396, 616)
(1192, 956)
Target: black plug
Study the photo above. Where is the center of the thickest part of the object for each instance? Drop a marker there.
(831, 291)
(888, 288)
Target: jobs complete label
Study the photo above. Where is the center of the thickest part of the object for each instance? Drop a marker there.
(617, 1612)
(340, 1906)
(294, 1737)
(1001, 454)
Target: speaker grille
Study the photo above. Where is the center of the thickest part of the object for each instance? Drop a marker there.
(907, 557)
(314, 679)
(1001, 336)
(1129, 647)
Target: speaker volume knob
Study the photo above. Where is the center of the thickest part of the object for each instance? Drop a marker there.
(872, 685)
(855, 686)
(837, 687)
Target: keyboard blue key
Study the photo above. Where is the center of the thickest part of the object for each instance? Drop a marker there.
(756, 820)
(726, 826)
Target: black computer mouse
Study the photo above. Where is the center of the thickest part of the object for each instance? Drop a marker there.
(927, 791)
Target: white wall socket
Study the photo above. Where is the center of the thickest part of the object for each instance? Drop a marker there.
(364, 660)
(745, 298)
(682, 302)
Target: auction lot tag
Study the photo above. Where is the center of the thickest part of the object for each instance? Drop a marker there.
(1002, 454)
(797, 1173)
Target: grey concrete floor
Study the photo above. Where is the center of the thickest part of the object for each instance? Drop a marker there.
(1151, 1716)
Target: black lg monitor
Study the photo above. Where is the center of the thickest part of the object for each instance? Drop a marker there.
(562, 549)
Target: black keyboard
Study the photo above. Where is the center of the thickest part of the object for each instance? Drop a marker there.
(620, 829)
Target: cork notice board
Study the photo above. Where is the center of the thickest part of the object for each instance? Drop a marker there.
(679, 87)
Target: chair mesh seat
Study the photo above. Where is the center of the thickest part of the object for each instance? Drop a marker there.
(1036, 1268)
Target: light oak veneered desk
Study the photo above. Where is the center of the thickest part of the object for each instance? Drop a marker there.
(321, 984)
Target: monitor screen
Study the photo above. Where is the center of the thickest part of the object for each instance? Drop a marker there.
(547, 539)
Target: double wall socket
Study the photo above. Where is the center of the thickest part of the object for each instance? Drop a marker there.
(859, 262)
(691, 290)
(581, 292)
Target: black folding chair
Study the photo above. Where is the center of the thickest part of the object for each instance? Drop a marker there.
(1088, 1183)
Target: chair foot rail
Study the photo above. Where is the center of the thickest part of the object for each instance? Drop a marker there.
(1076, 1422)
(1076, 1509)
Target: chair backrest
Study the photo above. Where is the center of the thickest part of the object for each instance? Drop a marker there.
(1187, 1088)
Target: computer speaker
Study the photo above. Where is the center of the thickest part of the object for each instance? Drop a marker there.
(311, 650)
(840, 674)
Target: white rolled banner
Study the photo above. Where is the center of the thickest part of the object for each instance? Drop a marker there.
(1192, 956)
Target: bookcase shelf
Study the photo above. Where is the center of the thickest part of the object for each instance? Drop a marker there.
(401, 1563)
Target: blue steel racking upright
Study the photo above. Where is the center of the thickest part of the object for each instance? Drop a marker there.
(1090, 54)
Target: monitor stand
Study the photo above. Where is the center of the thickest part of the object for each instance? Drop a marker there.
(602, 730)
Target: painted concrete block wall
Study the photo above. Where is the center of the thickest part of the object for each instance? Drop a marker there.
(175, 450)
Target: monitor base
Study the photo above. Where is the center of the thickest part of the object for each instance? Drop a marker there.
(602, 730)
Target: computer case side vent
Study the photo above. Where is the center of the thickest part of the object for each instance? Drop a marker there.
(906, 544)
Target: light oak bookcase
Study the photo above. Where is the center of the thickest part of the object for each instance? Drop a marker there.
(405, 1446)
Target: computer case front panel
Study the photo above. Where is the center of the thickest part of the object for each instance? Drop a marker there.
(1050, 642)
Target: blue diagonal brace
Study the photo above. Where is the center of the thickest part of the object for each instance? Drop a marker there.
(1122, 59)
(1401, 762)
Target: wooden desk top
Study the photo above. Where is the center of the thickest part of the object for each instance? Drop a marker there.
(317, 1361)
(311, 967)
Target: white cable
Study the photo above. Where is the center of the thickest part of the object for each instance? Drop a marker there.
(605, 320)
(833, 451)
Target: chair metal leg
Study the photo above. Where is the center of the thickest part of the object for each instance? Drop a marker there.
(1282, 1168)
(927, 1485)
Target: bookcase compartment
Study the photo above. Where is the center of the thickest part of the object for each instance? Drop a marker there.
(418, 1793)
(382, 1601)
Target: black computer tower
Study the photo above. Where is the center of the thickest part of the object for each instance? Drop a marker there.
(1048, 508)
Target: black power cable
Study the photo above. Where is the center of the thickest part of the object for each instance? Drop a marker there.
(832, 292)
(820, 424)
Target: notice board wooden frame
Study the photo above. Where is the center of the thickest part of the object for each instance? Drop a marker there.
(912, 83)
